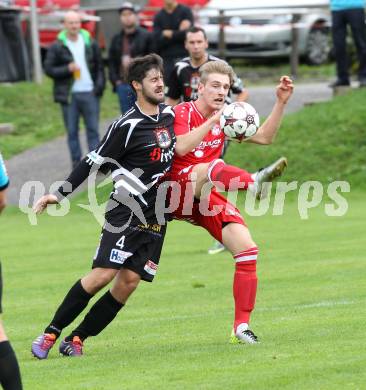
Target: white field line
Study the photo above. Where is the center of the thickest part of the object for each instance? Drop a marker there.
(322, 304)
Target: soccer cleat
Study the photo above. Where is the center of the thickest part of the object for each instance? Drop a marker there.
(71, 348)
(42, 345)
(259, 187)
(216, 247)
(243, 335)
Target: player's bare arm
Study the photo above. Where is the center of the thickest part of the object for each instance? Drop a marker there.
(43, 202)
(188, 141)
(267, 132)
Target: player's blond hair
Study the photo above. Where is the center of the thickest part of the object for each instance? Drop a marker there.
(219, 67)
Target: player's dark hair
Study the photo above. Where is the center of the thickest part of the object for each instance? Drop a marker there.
(195, 29)
(139, 67)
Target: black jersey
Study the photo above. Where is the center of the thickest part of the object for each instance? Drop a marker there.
(171, 47)
(183, 82)
(138, 150)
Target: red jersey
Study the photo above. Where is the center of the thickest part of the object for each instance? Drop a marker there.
(187, 117)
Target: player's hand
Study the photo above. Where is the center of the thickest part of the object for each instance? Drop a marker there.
(284, 89)
(215, 118)
(185, 24)
(168, 34)
(73, 66)
(238, 141)
(43, 202)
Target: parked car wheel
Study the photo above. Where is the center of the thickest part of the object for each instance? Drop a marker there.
(318, 46)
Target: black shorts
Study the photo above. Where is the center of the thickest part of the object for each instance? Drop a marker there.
(137, 248)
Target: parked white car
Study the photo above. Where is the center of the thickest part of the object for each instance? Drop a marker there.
(262, 28)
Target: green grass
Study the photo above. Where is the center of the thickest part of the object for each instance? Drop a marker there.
(36, 117)
(310, 310)
(324, 142)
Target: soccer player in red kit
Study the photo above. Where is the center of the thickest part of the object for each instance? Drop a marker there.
(199, 171)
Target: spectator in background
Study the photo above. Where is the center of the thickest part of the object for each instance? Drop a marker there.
(132, 41)
(170, 25)
(75, 64)
(184, 79)
(352, 13)
(9, 368)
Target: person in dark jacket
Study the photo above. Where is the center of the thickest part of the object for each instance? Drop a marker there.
(132, 41)
(170, 25)
(75, 64)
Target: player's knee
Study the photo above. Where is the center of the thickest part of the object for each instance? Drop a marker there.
(131, 281)
(213, 169)
(131, 285)
(127, 280)
(200, 172)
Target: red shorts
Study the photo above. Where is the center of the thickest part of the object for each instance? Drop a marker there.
(212, 212)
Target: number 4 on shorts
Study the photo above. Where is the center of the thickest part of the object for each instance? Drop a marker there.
(121, 242)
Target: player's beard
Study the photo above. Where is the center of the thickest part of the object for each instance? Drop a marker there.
(152, 99)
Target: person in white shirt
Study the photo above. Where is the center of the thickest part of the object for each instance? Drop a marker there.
(75, 64)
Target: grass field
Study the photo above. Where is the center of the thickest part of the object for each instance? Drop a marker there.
(173, 334)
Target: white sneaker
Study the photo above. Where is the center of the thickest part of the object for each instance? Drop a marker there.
(243, 335)
(260, 187)
(216, 247)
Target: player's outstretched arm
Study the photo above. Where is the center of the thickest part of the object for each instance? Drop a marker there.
(267, 132)
(43, 202)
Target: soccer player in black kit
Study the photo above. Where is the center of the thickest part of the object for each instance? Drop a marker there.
(138, 150)
(183, 82)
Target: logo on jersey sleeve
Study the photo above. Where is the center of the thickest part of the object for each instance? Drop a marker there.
(163, 137)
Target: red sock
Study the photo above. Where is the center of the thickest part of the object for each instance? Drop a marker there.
(222, 174)
(245, 285)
